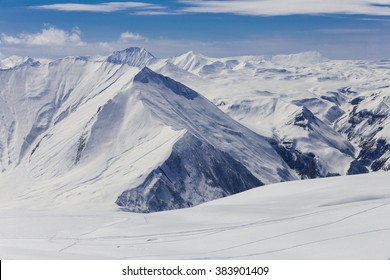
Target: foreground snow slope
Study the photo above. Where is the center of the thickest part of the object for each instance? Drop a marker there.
(332, 218)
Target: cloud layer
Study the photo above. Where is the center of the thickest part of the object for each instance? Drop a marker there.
(49, 36)
(238, 7)
(288, 7)
(108, 7)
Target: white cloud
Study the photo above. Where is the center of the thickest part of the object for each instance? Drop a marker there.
(288, 7)
(239, 7)
(108, 7)
(105, 46)
(129, 36)
(49, 36)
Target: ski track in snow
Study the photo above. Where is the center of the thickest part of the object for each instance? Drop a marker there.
(163, 235)
(304, 229)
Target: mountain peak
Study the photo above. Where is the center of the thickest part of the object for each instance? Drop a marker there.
(190, 61)
(17, 61)
(133, 56)
(146, 76)
(193, 53)
(303, 118)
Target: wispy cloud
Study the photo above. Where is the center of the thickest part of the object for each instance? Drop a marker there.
(238, 7)
(49, 36)
(288, 7)
(108, 7)
(127, 37)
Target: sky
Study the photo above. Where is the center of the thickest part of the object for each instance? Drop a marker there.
(338, 29)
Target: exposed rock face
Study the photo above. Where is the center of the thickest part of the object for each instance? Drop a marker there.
(367, 126)
(305, 164)
(194, 173)
(374, 155)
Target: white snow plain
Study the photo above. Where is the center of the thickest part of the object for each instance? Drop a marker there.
(333, 218)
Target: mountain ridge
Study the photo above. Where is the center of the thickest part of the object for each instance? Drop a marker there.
(112, 129)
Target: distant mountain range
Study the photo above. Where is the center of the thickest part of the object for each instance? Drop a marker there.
(144, 134)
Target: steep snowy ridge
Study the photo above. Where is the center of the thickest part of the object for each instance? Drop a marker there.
(212, 138)
(94, 141)
(204, 120)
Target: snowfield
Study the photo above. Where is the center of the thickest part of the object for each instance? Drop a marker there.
(332, 218)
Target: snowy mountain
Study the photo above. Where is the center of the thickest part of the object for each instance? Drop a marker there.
(191, 62)
(109, 132)
(307, 105)
(79, 130)
(17, 61)
(136, 57)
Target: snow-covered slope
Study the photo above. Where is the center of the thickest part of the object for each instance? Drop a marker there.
(367, 124)
(79, 131)
(211, 161)
(333, 218)
(191, 62)
(306, 104)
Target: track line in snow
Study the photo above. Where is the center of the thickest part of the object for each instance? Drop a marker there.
(308, 243)
(301, 230)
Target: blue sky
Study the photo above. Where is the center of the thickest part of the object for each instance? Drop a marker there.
(336, 28)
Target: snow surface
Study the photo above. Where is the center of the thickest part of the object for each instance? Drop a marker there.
(332, 218)
(82, 138)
